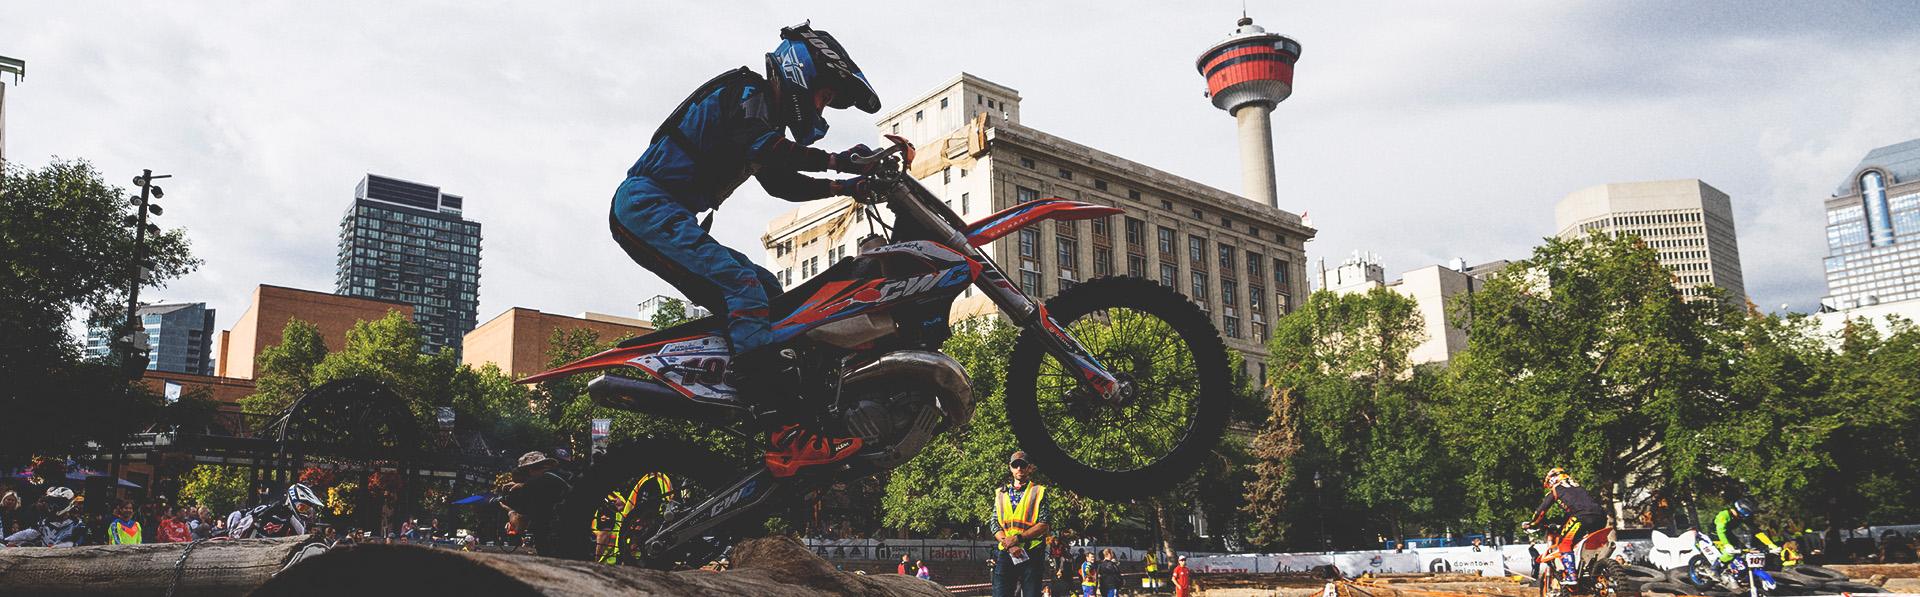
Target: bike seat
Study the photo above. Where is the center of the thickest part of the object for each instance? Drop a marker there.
(1597, 539)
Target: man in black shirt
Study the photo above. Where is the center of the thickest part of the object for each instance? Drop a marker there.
(532, 502)
(1109, 569)
(1583, 516)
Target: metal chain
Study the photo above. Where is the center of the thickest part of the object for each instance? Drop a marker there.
(180, 565)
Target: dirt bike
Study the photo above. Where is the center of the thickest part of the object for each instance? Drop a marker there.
(1125, 361)
(1587, 570)
(1745, 572)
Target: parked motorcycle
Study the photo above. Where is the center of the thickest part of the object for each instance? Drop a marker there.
(1125, 361)
(1587, 570)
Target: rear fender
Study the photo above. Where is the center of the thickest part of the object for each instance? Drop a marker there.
(694, 366)
(1013, 218)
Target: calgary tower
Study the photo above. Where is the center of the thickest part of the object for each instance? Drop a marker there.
(1247, 75)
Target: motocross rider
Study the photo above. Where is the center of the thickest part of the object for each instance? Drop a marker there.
(1730, 523)
(1583, 515)
(59, 524)
(733, 127)
(291, 516)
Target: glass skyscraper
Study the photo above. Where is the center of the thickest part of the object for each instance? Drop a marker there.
(1873, 231)
(405, 241)
(179, 338)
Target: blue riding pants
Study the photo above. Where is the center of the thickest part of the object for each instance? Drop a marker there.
(661, 235)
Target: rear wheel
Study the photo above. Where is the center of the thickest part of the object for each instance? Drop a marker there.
(1701, 573)
(1142, 443)
(632, 491)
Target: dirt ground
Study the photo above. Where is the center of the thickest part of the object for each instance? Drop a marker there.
(1901, 578)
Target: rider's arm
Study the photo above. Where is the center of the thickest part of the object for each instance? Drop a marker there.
(1540, 512)
(766, 145)
(794, 186)
(1720, 522)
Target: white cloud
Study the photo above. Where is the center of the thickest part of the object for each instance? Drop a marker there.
(1420, 131)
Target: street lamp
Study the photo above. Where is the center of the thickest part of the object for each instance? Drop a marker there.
(1320, 502)
(134, 363)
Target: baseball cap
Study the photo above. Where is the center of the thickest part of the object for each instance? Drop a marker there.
(530, 459)
(1017, 458)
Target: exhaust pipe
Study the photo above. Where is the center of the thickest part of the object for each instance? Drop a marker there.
(654, 398)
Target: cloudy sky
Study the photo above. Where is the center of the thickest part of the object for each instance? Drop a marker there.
(1420, 131)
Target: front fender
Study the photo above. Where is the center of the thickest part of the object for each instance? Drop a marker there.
(1013, 218)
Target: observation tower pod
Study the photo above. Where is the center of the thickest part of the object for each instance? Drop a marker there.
(1247, 75)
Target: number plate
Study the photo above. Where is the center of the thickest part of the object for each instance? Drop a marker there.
(1757, 560)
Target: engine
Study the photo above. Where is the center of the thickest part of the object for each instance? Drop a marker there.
(897, 403)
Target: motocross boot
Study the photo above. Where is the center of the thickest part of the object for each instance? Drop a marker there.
(795, 447)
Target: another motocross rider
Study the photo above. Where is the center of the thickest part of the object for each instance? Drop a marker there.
(729, 129)
(1731, 523)
(1583, 515)
(292, 515)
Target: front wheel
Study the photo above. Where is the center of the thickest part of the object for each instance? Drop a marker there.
(635, 489)
(1150, 337)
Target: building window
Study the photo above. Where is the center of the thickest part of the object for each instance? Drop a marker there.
(946, 175)
(1066, 174)
(919, 115)
(1024, 194)
(1136, 265)
(1030, 283)
(1067, 252)
(1254, 293)
(1136, 232)
(1066, 227)
(990, 104)
(1226, 292)
(1169, 275)
(896, 128)
(1226, 222)
(1026, 163)
(943, 102)
(1166, 241)
(1100, 184)
(1066, 284)
(963, 173)
(1100, 227)
(1227, 254)
(1132, 194)
(1199, 286)
(1166, 205)
(966, 202)
(1253, 265)
(1199, 216)
(1231, 326)
(979, 99)
(1873, 190)
(1254, 232)
(1280, 273)
(1029, 243)
(1102, 261)
(1197, 250)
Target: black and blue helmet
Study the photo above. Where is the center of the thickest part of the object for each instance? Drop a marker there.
(807, 60)
(1746, 507)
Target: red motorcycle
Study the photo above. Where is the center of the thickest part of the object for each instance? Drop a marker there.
(1116, 387)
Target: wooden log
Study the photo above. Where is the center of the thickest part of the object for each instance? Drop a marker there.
(224, 567)
(766, 566)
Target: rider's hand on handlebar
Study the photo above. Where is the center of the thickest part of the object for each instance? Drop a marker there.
(855, 160)
(860, 188)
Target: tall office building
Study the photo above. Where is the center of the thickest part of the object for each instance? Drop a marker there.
(1873, 231)
(179, 338)
(407, 242)
(1690, 223)
(1242, 261)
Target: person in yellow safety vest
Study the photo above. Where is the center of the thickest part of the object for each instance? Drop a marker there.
(124, 530)
(1790, 553)
(607, 531)
(1021, 521)
(1153, 570)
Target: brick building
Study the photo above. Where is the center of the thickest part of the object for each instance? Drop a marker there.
(273, 306)
(518, 340)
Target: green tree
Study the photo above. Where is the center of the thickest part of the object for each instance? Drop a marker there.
(218, 488)
(65, 249)
(672, 312)
(1585, 357)
(287, 370)
(1353, 435)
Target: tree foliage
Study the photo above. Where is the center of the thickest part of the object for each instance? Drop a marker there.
(220, 488)
(64, 248)
(672, 312)
(1586, 357)
(1353, 435)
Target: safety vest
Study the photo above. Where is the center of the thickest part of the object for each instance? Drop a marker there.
(1153, 564)
(123, 532)
(1023, 515)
